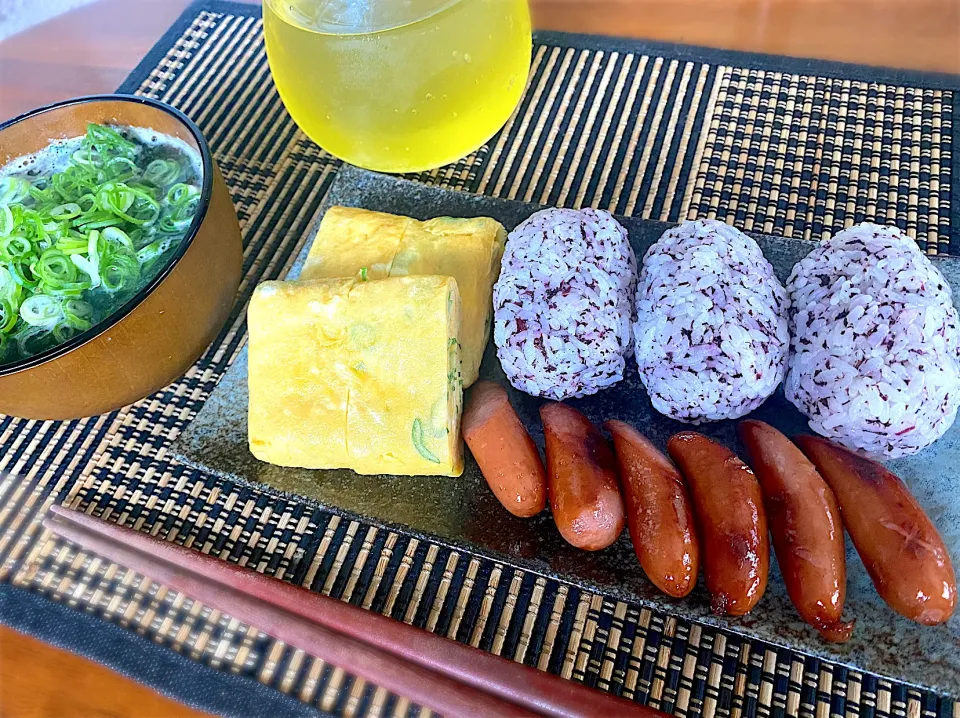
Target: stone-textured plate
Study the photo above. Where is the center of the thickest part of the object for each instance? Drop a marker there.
(463, 512)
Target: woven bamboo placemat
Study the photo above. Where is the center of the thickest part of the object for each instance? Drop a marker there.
(776, 145)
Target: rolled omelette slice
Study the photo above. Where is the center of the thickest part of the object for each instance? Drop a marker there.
(363, 375)
(363, 244)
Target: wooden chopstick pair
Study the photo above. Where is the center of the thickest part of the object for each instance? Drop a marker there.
(438, 673)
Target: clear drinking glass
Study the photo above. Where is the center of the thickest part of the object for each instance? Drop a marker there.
(399, 85)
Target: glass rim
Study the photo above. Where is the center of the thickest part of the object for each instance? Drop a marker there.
(376, 27)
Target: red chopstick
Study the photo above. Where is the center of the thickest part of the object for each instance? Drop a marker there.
(438, 673)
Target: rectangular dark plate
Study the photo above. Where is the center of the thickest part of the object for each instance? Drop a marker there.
(463, 512)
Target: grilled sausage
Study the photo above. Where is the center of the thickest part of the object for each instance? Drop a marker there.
(731, 521)
(582, 479)
(507, 456)
(899, 545)
(805, 525)
(659, 515)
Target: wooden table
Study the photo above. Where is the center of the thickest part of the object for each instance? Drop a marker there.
(92, 49)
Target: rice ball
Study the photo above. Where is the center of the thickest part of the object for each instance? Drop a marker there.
(874, 351)
(562, 304)
(711, 330)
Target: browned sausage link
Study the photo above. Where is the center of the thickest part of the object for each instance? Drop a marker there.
(659, 515)
(582, 480)
(506, 454)
(899, 545)
(732, 524)
(805, 524)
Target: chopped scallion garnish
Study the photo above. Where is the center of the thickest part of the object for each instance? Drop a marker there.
(77, 243)
(417, 438)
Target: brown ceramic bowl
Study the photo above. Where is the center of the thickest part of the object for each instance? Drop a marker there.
(155, 337)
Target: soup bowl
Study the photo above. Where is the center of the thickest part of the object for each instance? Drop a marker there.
(156, 335)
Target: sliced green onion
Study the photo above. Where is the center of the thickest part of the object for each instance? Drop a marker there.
(77, 313)
(97, 220)
(417, 438)
(119, 271)
(69, 289)
(94, 245)
(8, 287)
(68, 210)
(9, 301)
(108, 139)
(54, 269)
(87, 202)
(115, 197)
(58, 276)
(182, 202)
(31, 224)
(112, 234)
(15, 247)
(41, 310)
(182, 193)
(86, 156)
(9, 314)
(75, 182)
(13, 189)
(132, 205)
(64, 332)
(6, 220)
(23, 278)
(162, 173)
(121, 169)
(91, 269)
(95, 227)
(72, 245)
(91, 263)
(42, 195)
(153, 250)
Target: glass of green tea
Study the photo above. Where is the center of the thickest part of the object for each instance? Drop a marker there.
(399, 85)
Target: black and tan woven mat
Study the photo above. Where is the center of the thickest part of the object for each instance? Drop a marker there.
(781, 146)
